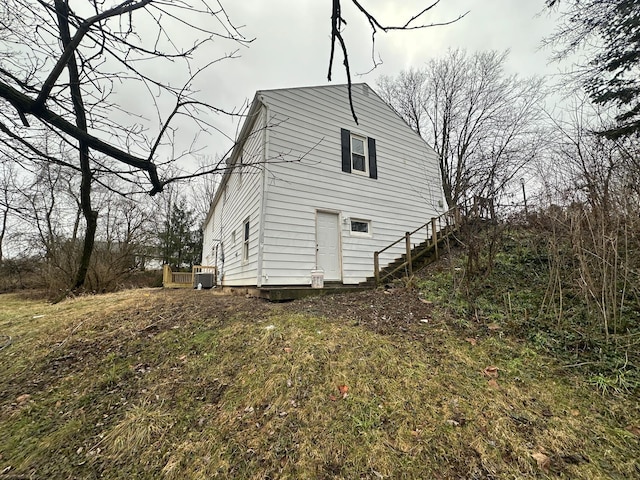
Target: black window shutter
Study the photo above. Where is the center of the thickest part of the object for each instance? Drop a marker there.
(373, 163)
(345, 137)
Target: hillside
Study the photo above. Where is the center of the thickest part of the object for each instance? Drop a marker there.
(381, 384)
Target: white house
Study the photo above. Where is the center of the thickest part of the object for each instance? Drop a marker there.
(308, 188)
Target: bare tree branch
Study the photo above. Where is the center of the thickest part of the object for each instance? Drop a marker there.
(25, 104)
(338, 22)
(125, 7)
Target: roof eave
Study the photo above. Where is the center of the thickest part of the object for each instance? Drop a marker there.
(251, 116)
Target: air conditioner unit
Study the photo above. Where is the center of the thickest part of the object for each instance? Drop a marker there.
(203, 278)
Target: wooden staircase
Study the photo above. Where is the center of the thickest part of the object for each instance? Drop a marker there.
(432, 237)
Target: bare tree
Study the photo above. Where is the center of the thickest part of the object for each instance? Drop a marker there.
(590, 165)
(123, 241)
(408, 95)
(70, 73)
(203, 189)
(594, 216)
(8, 195)
(59, 71)
(482, 123)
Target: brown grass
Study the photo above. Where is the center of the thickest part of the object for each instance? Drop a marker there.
(174, 384)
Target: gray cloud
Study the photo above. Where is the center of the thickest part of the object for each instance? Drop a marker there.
(291, 46)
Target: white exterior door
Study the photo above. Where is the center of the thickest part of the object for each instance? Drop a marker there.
(328, 245)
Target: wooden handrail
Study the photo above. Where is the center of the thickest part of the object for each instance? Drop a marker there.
(452, 219)
(402, 238)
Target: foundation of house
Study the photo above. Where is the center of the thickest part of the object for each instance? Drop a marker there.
(286, 293)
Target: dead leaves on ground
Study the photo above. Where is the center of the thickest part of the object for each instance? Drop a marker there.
(491, 372)
(493, 383)
(634, 429)
(343, 389)
(543, 461)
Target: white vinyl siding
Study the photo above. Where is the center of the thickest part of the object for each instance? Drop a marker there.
(211, 235)
(405, 195)
(239, 203)
(305, 176)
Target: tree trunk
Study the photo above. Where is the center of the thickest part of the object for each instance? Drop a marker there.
(2, 231)
(90, 216)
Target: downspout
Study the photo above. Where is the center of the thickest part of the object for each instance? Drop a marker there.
(221, 245)
(263, 196)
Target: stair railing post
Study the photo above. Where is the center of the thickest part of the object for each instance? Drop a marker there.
(166, 275)
(407, 237)
(376, 267)
(434, 235)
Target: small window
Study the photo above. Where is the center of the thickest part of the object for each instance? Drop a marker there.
(358, 154)
(233, 237)
(245, 243)
(361, 227)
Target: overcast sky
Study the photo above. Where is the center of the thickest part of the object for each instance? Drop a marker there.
(291, 46)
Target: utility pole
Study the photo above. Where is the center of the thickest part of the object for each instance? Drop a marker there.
(524, 195)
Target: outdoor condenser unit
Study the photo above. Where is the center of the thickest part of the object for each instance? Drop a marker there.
(204, 278)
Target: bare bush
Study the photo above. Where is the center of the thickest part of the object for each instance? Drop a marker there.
(594, 237)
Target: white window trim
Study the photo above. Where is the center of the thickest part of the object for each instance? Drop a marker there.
(365, 142)
(368, 234)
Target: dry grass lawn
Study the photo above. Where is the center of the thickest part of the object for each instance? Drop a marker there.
(185, 384)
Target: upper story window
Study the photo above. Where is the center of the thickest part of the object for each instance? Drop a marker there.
(358, 154)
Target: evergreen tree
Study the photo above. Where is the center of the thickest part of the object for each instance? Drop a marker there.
(609, 32)
(180, 243)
